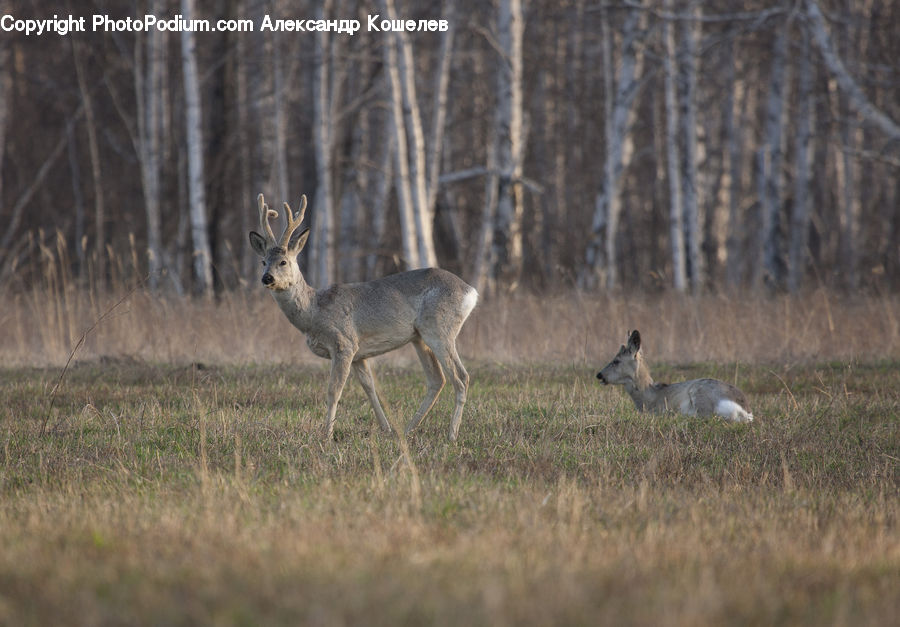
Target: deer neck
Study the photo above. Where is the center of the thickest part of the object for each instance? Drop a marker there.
(297, 302)
(641, 388)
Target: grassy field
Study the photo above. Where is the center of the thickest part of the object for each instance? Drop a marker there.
(165, 494)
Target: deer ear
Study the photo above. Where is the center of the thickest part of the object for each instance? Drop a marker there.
(258, 243)
(298, 241)
(634, 341)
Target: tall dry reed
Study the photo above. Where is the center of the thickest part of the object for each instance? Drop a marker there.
(41, 322)
(41, 327)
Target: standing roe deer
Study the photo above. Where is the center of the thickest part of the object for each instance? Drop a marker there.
(696, 397)
(350, 323)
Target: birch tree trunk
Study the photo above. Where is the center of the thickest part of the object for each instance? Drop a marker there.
(148, 79)
(196, 186)
(422, 211)
(481, 279)
(676, 206)
(279, 102)
(594, 263)
(621, 94)
(687, 70)
(439, 114)
(771, 158)
(802, 152)
(408, 231)
(507, 239)
(737, 102)
(321, 254)
(253, 120)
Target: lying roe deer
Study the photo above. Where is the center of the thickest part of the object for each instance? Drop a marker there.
(697, 397)
(350, 323)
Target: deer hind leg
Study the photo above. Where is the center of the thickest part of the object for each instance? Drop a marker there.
(446, 354)
(367, 380)
(434, 382)
(461, 384)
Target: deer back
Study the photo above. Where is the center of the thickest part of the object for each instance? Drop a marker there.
(696, 397)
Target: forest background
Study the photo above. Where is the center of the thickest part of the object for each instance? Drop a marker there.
(709, 147)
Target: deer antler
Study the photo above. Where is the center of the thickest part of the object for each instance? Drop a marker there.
(264, 214)
(292, 223)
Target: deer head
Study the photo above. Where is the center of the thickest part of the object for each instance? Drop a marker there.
(279, 257)
(625, 364)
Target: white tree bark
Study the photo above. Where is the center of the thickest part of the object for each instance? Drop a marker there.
(481, 278)
(148, 87)
(439, 115)
(408, 231)
(256, 119)
(321, 243)
(621, 94)
(738, 102)
(673, 161)
(507, 240)
(594, 262)
(422, 211)
(196, 185)
(279, 103)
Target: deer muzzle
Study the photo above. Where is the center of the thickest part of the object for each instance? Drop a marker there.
(267, 279)
(602, 378)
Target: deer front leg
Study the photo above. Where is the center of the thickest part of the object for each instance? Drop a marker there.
(340, 370)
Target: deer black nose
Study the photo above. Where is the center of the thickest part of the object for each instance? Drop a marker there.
(601, 377)
(268, 279)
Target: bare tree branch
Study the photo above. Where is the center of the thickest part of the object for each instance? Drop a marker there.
(846, 82)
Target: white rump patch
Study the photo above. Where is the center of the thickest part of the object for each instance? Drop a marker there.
(469, 302)
(730, 410)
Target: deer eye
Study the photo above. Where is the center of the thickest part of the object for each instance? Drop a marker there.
(283, 263)
(615, 362)
(264, 262)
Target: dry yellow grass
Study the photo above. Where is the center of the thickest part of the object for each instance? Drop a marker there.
(41, 327)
